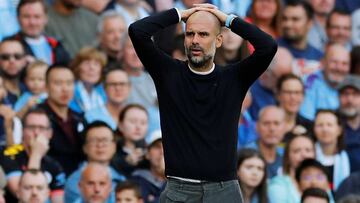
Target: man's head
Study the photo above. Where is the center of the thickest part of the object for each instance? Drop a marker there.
(312, 173)
(338, 27)
(349, 97)
(202, 37)
(271, 125)
(336, 64)
(99, 143)
(33, 187)
(60, 85)
(32, 17)
(112, 32)
(117, 86)
(12, 58)
(95, 183)
(315, 195)
(155, 153)
(296, 21)
(322, 7)
(71, 4)
(128, 192)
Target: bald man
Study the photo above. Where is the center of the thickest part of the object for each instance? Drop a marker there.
(199, 101)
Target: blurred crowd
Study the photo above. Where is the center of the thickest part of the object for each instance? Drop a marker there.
(79, 117)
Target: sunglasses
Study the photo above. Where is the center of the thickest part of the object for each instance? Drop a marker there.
(16, 56)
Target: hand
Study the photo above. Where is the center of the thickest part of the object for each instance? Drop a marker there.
(39, 145)
(135, 156)
(32, 101)
(185, 14)
(214, 10)
(7, 112)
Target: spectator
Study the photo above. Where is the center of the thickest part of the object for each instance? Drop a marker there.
(320, 87)
(152, 180)
(296, 23)
(338, 28)
(87, 67)
(251, 170)
(99, 147)
(65, 145)
(95, 183)
(349, 186)
(32, 154)
(133, 124)
(117, 87)
(32, 17)
(128, 192)
(112, 35)
(231, 50)
(271, 130)
(349, 96)
(12, 62)
(65, 14)
(330, 149)
(33, 187)
(315, 195)
(298, 148)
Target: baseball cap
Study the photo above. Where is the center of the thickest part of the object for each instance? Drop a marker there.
(350, 81)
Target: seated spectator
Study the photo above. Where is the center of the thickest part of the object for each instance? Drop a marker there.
(35, 83)
(338, 28)
(311, 173)
(95, 183)
(298, 148)
(2, 185)
(99, 147)
(117, 87)
(37, 133)
(87, 67)
(349, 186)
(251, 171)
(32, 16)
(128, 192)
(33, 187)
(315, 195)
(133, 124)
(330, 149)
(152, 180)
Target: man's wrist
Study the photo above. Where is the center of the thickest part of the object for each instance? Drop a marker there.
(229, 20)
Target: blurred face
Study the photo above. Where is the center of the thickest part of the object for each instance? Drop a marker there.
(301, 148)
(113, 34)
(271, 127)
(314, 200)
(117, 86)
(33, 189)
(326, 128)
(35, 80)
(35, 125)
(231, 41)
(72, 4)
(291, 95)
(60, 86)
(131, 60)
(127, 196)
(313, 177)
(251, 172)
(100, 145)
(336, 64)
(350, 102)
(90, 71)
(202, 37)
(135, 124)
(155, 156)
(339, 29)
(12, 59)
(95, 185)
(265, 9)
(32, 19)
(295, 24)
(322, 7)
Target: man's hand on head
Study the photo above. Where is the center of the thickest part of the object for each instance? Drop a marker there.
(214, 10)
(185, 14)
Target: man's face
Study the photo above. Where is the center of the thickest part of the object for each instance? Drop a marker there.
(336, 64)
(271, 126)
(339, 29)
(127, 196)
(100, 145)
(32, 19)
(155, 155)
(33, 188)
(131, 60)
(291, 95)
(60, 86)
(12, 59)
(117, 87)
(202, 37)
(95, 185)
(36, 124)
(295, 24)
(349, 102)
(311, 199)
(322, 7)
(313, 177)
(113, 34)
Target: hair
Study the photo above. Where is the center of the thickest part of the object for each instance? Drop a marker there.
(107, 15)
(305, 5)
(355, 60)
(10, 40)
(129, 185)
(128, 107)
(315, 192)
(96, 124)
(275, 23)
(55, 67)
(33, 171)
(307, 163)
(336, 11)
(340, 141)
(245, 154)
(36, 110)
(24, 2)
(113, 69)
(286, 159)
(35, 64)
(87, 53)
(262, 110)
(351, 198)
(286, 77)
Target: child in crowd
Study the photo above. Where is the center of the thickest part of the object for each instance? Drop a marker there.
(128, 192)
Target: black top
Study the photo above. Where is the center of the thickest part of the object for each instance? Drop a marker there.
(199, 114)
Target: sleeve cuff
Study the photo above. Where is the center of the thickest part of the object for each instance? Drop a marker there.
(179, 15)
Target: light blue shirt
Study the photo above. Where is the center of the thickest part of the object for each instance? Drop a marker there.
(8, 19)
(100, 114)
(84, 101)
(41, 49)
(24, 99)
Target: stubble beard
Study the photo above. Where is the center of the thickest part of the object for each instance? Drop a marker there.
(198, 62)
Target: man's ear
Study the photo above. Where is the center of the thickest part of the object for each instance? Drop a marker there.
(219, 40)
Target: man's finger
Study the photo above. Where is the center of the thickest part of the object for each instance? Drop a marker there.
(207, 5)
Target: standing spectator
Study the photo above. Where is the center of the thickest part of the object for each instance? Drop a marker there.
(33, 187)
(65, 14)
(338, 28)
(128, 192)
(32, 17)
(320, 87)
(65, 145)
